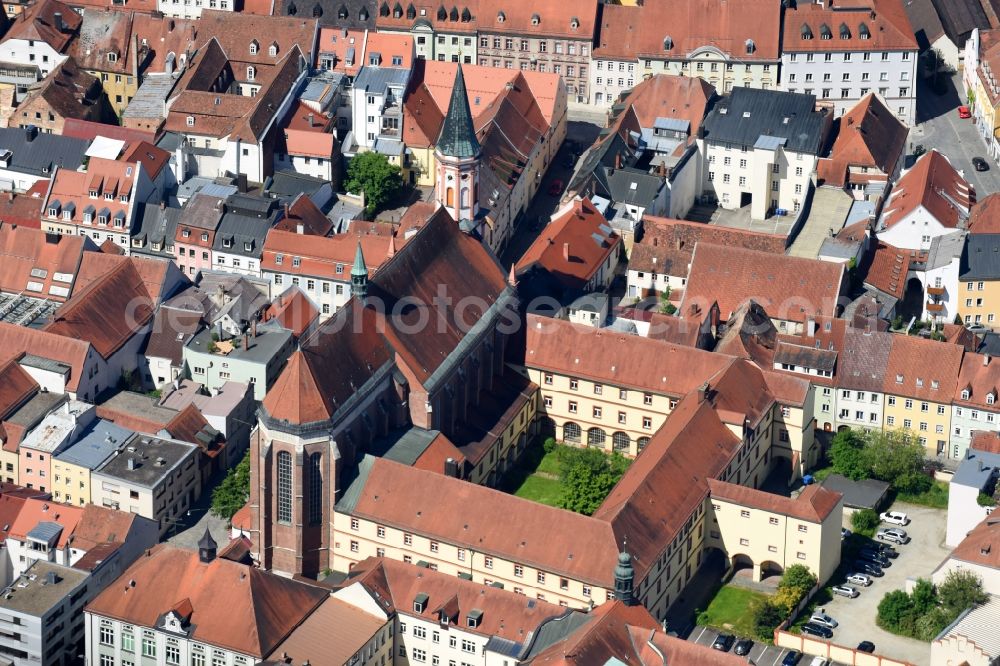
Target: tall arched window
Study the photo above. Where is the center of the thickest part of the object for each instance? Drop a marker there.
(571, 433)
(643, 441)
(449, 199)
(465, 197)
(596, 437)
(316, 488)
(621, 442)
(284, 487)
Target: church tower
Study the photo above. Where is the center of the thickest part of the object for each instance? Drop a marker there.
(624, 579)
(359, 275)
(457, 154)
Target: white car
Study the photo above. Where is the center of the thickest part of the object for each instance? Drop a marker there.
(894, 518)
(821, 618)
(861, 579)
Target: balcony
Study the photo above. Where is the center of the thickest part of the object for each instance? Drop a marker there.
(935, 291)
(936, 308)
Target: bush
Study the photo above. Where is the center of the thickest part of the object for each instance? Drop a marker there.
(587, 476)
(928, 610)
(913, 483)
(766, 618)
(986, 500)
(549, 445)
(895, 612)
(864, 520)
(961, 588)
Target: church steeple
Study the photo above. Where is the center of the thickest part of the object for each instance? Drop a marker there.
(457, 154)
(624, 579)
(458, 134)
(207, 547)
(359, 275)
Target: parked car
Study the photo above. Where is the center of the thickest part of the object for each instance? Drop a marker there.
(723, 642)
(893, 535)
(963, 112)
(864, 580)
(556, 188)
(979, 164)
(822, 619)
(975, 327)
(869, 568)
(875, 557)
(791, 658)
(845, 591)
(844, 532)
(894, 518)
(818, 661)
(812, 629)
(886, 550)
(743, 647)
(866, 646)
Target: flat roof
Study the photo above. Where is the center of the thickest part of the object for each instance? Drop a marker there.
(864, 494)
(55, 428)
(138, 404)
(976, 469)
(262, 348)
(35, 409)
(153, 459)
(35, 592)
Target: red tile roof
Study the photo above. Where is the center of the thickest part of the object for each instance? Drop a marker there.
(336, 42)
(667, 244)
(293, 310)
(554, 19)
(89, 130)
(303, 211)
(233, 606)
(981, 546)
(24, 252)
(320, 256)
(935, 184)
(985, 215)
(295, 396)
(548, 538)
(868, 135)
(437, 453)
(888, 270)
(152, 158)
(242, 519)
(665, 96)
(789, 288)
(390, 45)
(106, 177)
(107, 312)
(618, 359)
(888, 27)
(23, 210)
(16, 387)
(574, 246)
(163, 35)
(35, 511)
(95, 266)
(331, 636)
(922, 369)
(37, 23)
(731, 26)
(101, 525)
(980, 376)
(650, 504)
(814, 503)
(16, 340)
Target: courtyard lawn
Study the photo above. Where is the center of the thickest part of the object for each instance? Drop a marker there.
(729, 611)
(540, 489)
(936, 497)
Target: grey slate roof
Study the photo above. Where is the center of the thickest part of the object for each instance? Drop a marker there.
(39, 155)
(289, 184)
(458, 134)
(404, 446)
(629, 186)
(864, 494)
(748, 114)
(863, 359)
(349, 500)
(245, 224)
(378, 79)
(46, 532)
(981, 258)
(976, 469)
(155, 225)
(100, 440)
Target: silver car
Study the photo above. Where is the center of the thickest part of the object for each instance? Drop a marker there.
(845, 591)
(821, 618)
(861, 579)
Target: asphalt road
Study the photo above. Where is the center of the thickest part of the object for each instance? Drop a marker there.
(761, 654)
(940, 128)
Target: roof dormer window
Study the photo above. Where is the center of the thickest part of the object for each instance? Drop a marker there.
(442, 13)
(254, 47)
(845, 32)
(863, 31)
(965, 394)
(227, 242)
(991, 398)
(535, 19)
(750, 46)
(668, 43)
(501, 17)
(397, 11)
(251, 73)
(806, 31)
(190, 121)
(824, 32)
(112, 56)
(272, 50)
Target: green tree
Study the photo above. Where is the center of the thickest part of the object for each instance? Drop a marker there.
(234, 491)
(847, 455)
(928, 626)
(961, 588)
(587, 476)
(766, 617)
(895, 612)
(895, 456)
(923, 597)
(864, 520)
(371, 173)
(797, 577)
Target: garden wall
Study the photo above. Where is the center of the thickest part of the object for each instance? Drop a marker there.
(831, 651)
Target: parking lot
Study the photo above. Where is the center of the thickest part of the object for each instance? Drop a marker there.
(917, 559)
(761, 654)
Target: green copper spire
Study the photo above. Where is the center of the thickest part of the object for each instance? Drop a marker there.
(359, 275)
(458, 134)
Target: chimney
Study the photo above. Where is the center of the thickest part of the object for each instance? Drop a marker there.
(300, 228)
(51, 578)
(680, 243)
(986, 359)
(253, 328)
(565, 251)
(58, 20)
(246, 341)
(131, 464)
(285, 206)
(702, 392)
(655, 241)
(30, 132)
(312, 118)
(451, 468)
(170, 25)
(163, 204)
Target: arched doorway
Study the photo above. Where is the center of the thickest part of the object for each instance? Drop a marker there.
(571, 433)
(740, 562)
(596, 438)
(770, 569)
